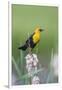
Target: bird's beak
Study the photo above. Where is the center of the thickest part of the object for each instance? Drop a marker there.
(41, 30)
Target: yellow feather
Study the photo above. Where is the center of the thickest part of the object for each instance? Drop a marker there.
(36, 36)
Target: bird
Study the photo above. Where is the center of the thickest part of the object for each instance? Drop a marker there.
(33, 40)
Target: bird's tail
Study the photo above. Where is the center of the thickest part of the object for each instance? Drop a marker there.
(24, 47)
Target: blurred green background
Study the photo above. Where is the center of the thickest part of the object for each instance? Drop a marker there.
(25, 18)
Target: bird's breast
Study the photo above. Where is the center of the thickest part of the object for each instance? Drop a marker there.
(36, 37)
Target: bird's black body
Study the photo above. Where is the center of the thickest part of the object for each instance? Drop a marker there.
(28, 43)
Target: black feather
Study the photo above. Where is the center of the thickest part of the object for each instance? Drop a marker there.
(29, 42)
(24, 47)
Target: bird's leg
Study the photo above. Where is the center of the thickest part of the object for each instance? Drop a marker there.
(30, 51)
(29, 48)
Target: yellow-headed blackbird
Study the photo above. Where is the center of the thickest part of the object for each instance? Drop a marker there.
(32, 40)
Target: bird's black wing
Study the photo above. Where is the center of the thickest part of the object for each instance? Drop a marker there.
(31, 37)
(30, 41)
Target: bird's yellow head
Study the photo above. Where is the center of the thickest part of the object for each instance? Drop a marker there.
(38, 29)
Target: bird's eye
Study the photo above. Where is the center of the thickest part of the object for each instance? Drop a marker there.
(41, 30)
